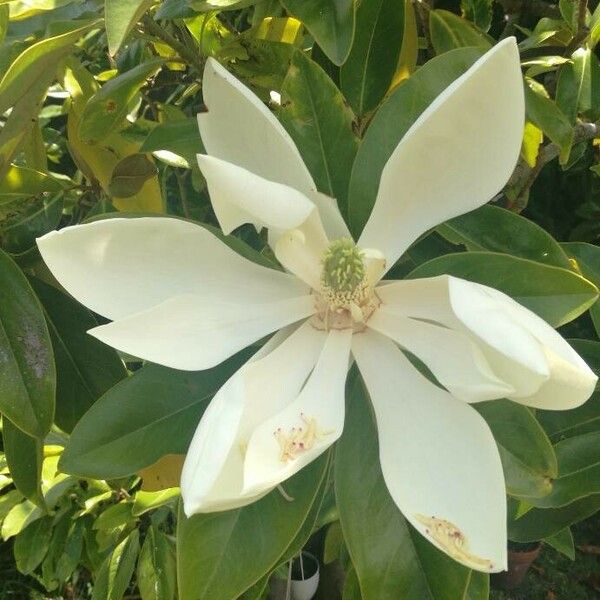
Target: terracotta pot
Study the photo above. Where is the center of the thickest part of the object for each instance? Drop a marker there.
(519, 562)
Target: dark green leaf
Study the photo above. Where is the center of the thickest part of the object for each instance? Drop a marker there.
(555, 294)
(31, 545)
(85, 367)
(153, 413)
(391, 560)
(27, 371)
(563, 542)
(218, 560)
(478, 11)
(499, 230)
(578, 91)
(156, 571)
(130, 174)
(368, 73)
(448, 31)
(121, 564)
(479, 587)
(316, 116)
(392, 121)
(330, 22)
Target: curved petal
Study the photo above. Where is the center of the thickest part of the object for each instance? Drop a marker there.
(193, 332)
(454, 359)
(119, 267)
(438, 457)
(456, 156)
(520, 347)
(306, 427)
(212, 477)
(239, 196)
(240, 129)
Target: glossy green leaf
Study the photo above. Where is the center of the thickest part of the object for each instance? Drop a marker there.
(37, 62)
(448, 31)
(179, 137)
(316, 116)
(121, 564)
(587, 257)
(330, 22)
(527, 456)
(555, 294)
(85, 367)
(369, 71)
(545, 114)
(32, 543)
(156, 570)
(108, 107)
(24, 456)
(130, 174)
(27, 371)
(560, 424)
(146, 501)
(120, 16)
(479, 586)
(218, 560)
(577, 91)
(499, 230)
(391, 559)
(392, 121)
(562, 542)
(478, 11)
(152, 413)
(540, 523)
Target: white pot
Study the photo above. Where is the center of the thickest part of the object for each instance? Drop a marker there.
(306, 589)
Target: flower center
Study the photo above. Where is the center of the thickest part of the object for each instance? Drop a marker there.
(346, 299)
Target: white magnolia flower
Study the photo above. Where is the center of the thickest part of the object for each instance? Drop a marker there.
(180, 297)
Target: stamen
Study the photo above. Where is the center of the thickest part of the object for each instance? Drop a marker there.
(299, 439)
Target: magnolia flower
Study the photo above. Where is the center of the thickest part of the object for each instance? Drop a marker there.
(180, 297)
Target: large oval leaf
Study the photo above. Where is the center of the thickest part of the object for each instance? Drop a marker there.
(221, 555)
(555, 294)
(153, 413)
(27, 371)
(392, 121)
(448, 31)
(391, 560)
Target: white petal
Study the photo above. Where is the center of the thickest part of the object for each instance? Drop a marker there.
(193, 332)
(306, 427)
(240, 129)
(239, 196)
(212, 477)
(331, 217)
(454, 359)
(456, 156)
(438, 456)
(118, 267)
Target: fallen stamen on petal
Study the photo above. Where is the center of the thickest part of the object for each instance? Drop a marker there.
(452, 540)
(299, 439)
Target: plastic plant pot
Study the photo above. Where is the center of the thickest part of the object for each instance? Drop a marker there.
(305, 577)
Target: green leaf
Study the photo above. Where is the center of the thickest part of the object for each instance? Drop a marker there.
(31, 544)
(546, 115)
(392, 121)
(153, 413)
(120, 16)
(479, 587)
(180, 137)
(391, 559)
(4, 14)
(38, 62)
(217, 559)
(527, 456)
(330, 22)
(587, 257)
(130, 174)
(577, 91)
(146, 501)
(27, 371)
(108, 107)
(585, 418)
(448, 31)
(578, 468)
(540, 523)
(85, 367)
(563, 542)
(555, 294)
(121, 564)
(156, 571)
(369, 71)
(478, 11)
(499, 230)
(316, 116)
(24, 456)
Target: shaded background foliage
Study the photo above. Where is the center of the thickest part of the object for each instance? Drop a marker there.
(98, 102)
